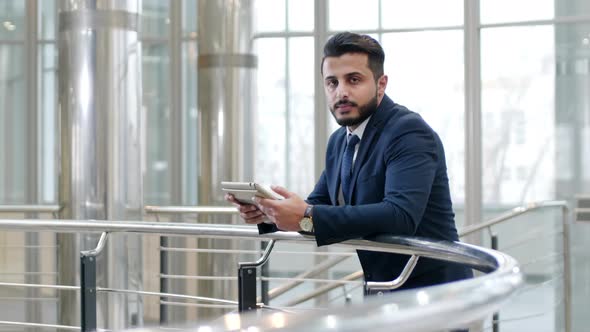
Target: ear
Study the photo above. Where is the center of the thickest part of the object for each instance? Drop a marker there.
(381, 85)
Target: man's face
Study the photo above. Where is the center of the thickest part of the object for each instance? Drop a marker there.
(351, 90)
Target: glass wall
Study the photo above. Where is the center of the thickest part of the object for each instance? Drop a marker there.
(535, 105)
(533, 148)
(13, 105)
(285, 106)
(430, 85)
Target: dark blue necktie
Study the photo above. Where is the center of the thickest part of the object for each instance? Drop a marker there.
(346, 168)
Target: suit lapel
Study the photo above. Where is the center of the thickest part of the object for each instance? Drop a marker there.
(370, 136)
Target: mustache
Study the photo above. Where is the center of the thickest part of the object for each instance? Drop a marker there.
(345, 103)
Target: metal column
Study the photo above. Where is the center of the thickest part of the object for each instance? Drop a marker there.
(226, 69)
(473, 141)
(101, 172)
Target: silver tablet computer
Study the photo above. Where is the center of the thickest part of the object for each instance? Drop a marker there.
(244, 192)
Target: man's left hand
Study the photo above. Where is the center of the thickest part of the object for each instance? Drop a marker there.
(285, 213)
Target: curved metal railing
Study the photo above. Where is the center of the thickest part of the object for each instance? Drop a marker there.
(426, 309)
(503, 278)
(338, 256)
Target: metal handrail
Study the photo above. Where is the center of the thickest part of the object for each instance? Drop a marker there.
(397, 282)
(515, 212)
(191, 209)
(506, 272)
(28, 208)
(441, 252)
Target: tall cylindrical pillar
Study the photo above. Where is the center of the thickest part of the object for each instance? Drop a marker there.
(101, 169)
(226, 68)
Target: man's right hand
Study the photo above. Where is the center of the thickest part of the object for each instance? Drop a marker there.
(249, 212)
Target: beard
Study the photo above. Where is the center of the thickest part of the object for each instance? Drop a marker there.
(365, 111)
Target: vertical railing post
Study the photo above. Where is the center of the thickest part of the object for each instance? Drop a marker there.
(567, 272)
(88, 291)
(496, 316)
(88, 285)
(264, 272)
(246, 288)
(247, 280)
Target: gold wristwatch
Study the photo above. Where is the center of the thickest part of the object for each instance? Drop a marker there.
(306, 224)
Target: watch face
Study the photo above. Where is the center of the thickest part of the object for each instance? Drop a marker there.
(306, 225)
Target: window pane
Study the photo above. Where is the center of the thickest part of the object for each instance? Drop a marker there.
(48, 122)
(301, 116)
(518, 117)
(346, 15)
(189, 18)
(269, 15)
(270, 151)
(421, 13)
(156, 101)
(13, 130)
(155, 19)
(496, 11)
(427, 77)
(572, 8)
(47, 19)
(301, 15)
(12, 19)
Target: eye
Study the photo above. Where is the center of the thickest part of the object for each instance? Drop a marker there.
(355, 80)
(331, 83)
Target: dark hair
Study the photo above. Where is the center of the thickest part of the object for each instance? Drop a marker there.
(348, 42)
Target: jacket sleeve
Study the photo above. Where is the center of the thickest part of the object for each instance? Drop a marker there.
(410, 163)
(320, 194)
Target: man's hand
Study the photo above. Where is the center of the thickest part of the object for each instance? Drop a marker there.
(285, 213)
(249, 212)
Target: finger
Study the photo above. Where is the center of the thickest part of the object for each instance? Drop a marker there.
(243, 208)
(251, 214)
(257, 220)
(282, 191)
(265, 202)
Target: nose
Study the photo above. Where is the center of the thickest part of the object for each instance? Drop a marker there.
(342, 91)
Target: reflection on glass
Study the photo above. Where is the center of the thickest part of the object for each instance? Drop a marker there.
(269, 165)
(269, 15)
(48, 122)
(301, 116)
(518, 117)
(301, 15)
(346, 15)
(12, 19)
(155, 19)
(156, 111)
(425, 71)
(421, 13)
(13, 129)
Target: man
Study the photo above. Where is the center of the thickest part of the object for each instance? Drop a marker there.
(385, 171)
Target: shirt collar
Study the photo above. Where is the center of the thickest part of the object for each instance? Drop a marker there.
(360, 129)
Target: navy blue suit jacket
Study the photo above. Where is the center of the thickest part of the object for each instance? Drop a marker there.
(399, 186)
